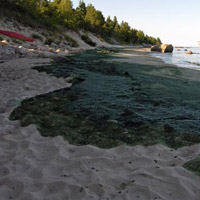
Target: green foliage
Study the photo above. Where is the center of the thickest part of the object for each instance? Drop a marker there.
(86, 39)
(48, 41)
(17, 41)
(71, 41)
(140, 36)
(94, 18)
(1, 38)
(80, 15)
(158, 41)
(109, 26)
(36, 36)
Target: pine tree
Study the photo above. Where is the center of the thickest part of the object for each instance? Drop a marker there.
(94, 18)
(80, 15)
(64, 7)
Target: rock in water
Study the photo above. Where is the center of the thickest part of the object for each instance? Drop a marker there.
(163, 48)
(189, 52)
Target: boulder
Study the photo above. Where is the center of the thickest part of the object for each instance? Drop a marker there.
(189, 52)
(163, 48)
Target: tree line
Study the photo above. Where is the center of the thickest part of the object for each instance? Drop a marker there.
(86, 17)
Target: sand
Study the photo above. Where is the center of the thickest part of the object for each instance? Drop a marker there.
(36, 168)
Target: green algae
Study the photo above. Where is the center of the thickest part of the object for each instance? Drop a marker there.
(193, 165)
(115, 103)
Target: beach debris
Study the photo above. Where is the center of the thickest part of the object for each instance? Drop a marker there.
(58, 51)
(4, 42)
(163, 48)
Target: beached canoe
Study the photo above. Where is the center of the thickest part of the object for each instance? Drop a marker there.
(16, 35)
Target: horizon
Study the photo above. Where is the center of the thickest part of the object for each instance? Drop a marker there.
(171, 21)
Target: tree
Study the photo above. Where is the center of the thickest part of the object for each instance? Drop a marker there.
(133, 36)
(158, 41)
(63, 7)
(94, 18)
(80, 14)
(124, 32)
(109, 26)
(140, 36)
(81, 9)
(115, 22)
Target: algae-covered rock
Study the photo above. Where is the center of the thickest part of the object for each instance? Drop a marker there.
(193, 165)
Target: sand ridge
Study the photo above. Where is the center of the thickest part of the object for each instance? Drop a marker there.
(38, 168)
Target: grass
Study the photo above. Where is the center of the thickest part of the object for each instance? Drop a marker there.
(17, 41)
(71, 41)
(48, 41)
(87, 40)
(36, 36)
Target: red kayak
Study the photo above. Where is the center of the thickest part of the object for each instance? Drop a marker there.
(16, 35)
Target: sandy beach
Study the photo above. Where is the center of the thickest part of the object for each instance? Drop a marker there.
(45, 168)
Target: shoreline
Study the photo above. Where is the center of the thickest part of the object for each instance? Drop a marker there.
(38, 167)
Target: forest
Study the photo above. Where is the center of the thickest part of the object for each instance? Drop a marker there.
(56, 14)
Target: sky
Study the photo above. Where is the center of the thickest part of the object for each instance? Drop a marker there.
(176, 22)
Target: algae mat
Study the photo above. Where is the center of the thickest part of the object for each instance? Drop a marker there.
(113, 103)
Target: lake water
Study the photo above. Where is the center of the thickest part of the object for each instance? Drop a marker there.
(180, 58)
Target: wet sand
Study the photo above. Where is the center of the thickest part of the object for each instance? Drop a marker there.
(36, 167)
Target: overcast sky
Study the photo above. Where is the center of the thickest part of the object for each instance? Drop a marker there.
(174, 21)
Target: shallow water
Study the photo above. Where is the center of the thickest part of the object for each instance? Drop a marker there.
(180, 58)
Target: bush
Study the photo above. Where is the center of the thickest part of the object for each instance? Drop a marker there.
(48, 41)
(86, 39)
(71, 41)
(1, 38)
(35, 36)
(17, 41)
